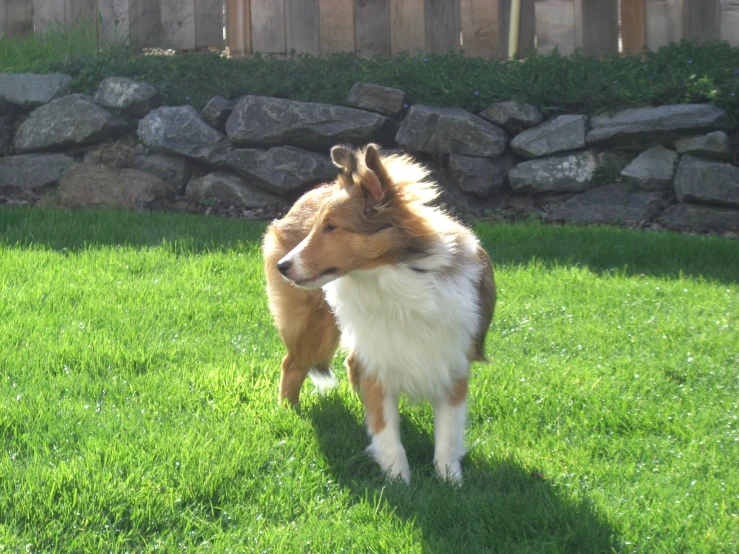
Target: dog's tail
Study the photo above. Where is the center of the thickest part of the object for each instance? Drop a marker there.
(323, 379)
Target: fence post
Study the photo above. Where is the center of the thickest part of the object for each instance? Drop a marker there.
(47, 13)
(238, 17)
(407, 25)
(113, 21)
(633, 29)
(730, 21)
(145, 23)
(336, 20)
(442, 25)
(268, 26)
(303, 26)
(598, 26)
(701, 19)
(481, 28)
(555, 26)
(372, 27)
(208, 16)
(663, 22)
(17, 18)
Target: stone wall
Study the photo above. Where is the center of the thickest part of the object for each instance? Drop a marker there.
(121, 148)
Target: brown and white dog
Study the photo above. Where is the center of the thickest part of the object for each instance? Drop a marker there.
(412, 290)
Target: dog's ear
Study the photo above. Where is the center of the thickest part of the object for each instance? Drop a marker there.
(344, 158)
(376, 180)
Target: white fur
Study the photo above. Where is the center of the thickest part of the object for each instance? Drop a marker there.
(449, 423)
(386, 447)
(413, 331)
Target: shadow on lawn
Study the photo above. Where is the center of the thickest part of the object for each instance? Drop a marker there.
(500, 507)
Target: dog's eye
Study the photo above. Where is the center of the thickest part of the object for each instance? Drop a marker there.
(329, 228)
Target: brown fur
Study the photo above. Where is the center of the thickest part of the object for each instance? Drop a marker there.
(367, 218)
(459, 392)
(304, 320)
(487, 297)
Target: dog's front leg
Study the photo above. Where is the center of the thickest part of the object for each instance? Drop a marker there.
(383, 424)
(450, 416)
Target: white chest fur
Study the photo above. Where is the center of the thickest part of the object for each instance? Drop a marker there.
(412, 330)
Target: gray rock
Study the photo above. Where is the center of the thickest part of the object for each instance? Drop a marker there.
(559, 134)
(449, 131)
(127, 95)
(376, 98)
(482, 177)
(653, 169)
(172, 169)
(181, 130)
(217, 111)
(575, 172)
(282, 169)
(6, 108)
(610, 204)
(713, 145)
(639, 128)
(513, 116)
(693, 217)
(6, 135)
(229, 189)
(261, 121)
(707, 181)
(68, 121)
(30, 171)
(87, 185)
(30, 91)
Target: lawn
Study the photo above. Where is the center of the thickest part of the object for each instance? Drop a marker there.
(138, 387)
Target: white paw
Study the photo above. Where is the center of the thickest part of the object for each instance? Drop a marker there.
(449, 470)
(391, 458)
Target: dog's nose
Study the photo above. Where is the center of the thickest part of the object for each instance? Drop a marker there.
(284, 266)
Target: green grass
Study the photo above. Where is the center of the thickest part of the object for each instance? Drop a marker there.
(679, 73)
(138, 384)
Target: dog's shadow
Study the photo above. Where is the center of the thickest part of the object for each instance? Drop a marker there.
(501, 507)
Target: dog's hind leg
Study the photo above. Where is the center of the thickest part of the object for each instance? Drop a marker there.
(450, 416)
(291, 380)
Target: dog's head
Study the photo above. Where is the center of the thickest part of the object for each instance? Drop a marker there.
(369, 220)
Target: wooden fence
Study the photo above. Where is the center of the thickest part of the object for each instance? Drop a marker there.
(370, 27)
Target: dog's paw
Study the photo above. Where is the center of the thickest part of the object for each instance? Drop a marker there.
(392, 460)
(449, 470)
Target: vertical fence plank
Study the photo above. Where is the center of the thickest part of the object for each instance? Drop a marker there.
(407, 25)
(77, 12)
(730, 21)
(302, 26)
(701, 19)
(337, 26)
(268, 26)
(208, 22)
(555, 26)
(238, 30)
(178, 23)
(480, 30)
(372, 27)
(599, 27)
(47, 13)
(234, 26)
(145, 23)
(18, 16)
(527, 27)
(663, 22)
(113, 22)
(633, 26)
(442, 25)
